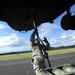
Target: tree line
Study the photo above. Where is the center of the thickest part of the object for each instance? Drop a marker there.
(62, 47)
(51, 48)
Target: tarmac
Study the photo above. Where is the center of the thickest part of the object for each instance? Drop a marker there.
(24, 66)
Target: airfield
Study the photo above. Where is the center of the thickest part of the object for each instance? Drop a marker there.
(24, 66)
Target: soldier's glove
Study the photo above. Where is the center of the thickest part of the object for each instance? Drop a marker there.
(45, 40)
(35, 30)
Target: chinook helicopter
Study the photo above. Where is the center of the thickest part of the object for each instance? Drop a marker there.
(19, 15)
(27, 15)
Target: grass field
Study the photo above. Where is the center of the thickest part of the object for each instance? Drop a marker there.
(29, 55)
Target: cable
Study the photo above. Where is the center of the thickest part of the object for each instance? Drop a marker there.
(46, 54)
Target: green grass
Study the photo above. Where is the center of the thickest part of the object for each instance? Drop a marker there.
(61, 51)
(29, 55)
(15, 56)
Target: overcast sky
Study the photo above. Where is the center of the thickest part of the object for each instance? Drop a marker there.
(12, 40)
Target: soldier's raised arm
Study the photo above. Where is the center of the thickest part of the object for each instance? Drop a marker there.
(32, 37)
(47, 44)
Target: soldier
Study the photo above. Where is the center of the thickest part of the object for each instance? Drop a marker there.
(38, 54)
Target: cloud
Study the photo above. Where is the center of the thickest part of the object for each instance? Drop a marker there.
(46, 29)
(64, 36)
(64, 40)
(11, 41)
(3, 26)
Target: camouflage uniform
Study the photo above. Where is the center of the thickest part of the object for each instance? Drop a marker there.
(38, 56)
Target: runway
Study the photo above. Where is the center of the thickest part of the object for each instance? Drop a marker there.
(24, 66)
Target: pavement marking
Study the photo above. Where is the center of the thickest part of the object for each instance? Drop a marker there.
(14, 63)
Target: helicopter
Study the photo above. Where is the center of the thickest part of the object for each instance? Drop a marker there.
(19, 15)
(25, 16)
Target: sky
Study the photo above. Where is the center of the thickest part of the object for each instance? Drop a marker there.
(15, 41)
